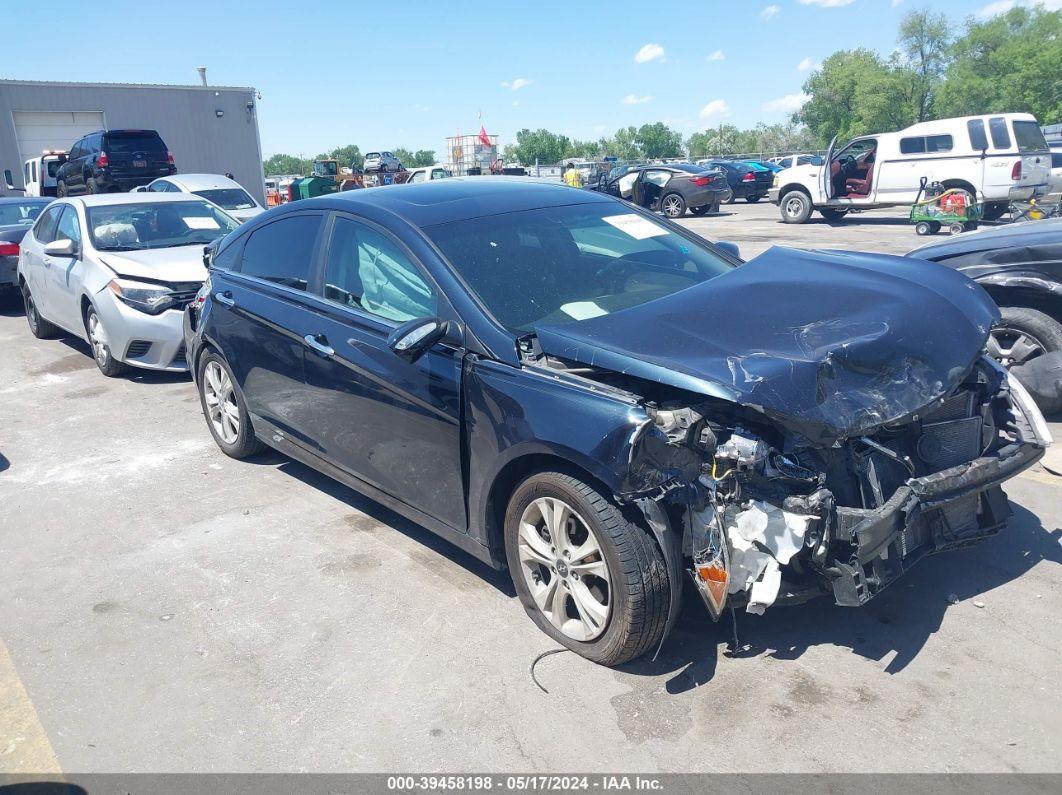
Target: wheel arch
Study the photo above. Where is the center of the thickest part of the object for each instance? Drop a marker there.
(1017, 294)
(792, 186)
(962, 184)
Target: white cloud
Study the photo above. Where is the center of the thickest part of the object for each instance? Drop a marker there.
(649, 52)
(769, 12)
(517, 84)
(516, 103)
(631, 99)
(896, 3)
(1003, 6)
(717, 107)
(807, 65)
(825, 3)
(790, 103)
(718, 55)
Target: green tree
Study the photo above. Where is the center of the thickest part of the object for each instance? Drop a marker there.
(540, 146)
(624, 144)
(924, 50)
(659, 140)
(348, 156)
(287, 164)
(1010, 63)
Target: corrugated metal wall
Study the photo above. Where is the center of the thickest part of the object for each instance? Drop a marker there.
(185, 116)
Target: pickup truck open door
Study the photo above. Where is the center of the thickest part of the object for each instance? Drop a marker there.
(827, 172)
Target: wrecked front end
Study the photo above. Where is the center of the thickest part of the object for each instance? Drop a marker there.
(759, 514)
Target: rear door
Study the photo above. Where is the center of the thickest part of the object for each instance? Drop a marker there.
(392, 423)
(1034, 152)
(65, 274)
(262, 310)
(74, 166)
(31, 255)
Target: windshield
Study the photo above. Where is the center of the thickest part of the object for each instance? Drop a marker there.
(131, 227)
(20, 213)
(562, 264)
(229, 198)
(1029, 136)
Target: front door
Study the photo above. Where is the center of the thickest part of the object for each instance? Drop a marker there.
(394, 424)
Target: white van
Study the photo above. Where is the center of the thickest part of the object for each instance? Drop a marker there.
(38, 173)
(994, 158)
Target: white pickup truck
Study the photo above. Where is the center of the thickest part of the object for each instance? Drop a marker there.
(996, 159)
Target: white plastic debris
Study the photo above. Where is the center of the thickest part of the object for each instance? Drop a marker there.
(780, 533)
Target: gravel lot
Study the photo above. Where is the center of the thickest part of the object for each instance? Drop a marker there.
(165, 608)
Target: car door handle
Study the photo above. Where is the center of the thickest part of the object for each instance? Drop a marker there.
(225, 299)
(314, 341)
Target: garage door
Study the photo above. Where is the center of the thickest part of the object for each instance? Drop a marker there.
(37, 130)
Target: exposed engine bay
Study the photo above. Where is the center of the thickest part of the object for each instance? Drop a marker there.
(767, 516)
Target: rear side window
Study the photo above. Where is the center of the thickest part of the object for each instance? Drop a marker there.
(127, 143)
(997, 126)
(912, 146)
(1029, 137)
(1056, 160)
(938, 143)
(44, 231)
(282, 252)
(918, 144)
(978, 139)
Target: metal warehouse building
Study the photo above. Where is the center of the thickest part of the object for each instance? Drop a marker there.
(209, 129)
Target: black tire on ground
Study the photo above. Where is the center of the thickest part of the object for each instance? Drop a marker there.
(639, 595)
(832, 214)
(91, 186)
(673, 205)
(101, 352)
(994, 210)
(956, 228)
(934, 227)
(39, 327)
(246, 443)
(754, 199)
(730, 197)
(1043, 328)
(923, 228)
(60, 189)
(699, 210)
(795, 207)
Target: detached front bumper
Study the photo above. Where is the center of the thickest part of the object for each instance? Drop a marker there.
(935, 513)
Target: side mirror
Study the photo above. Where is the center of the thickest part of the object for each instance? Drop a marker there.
(413, 338)
(730, 248)
(61, 248)
(10, 179)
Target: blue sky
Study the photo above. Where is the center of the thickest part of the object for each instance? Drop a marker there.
(411, 72)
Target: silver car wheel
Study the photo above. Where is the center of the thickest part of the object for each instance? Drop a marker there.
(1011, 347)
(98, 339)
(794, 207)
(672, 207)
(564, 568)
(220, 398)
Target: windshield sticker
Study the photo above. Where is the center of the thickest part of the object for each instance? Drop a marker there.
(634, 225)
(200, 222)
(581, 310)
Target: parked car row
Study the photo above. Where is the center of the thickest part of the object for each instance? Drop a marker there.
(672, 189)
(568, 386)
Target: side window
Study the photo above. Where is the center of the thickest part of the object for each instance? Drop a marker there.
(659, 178)
(26, 173)
(34, 170)
(282, 252)
(997, 126)
(912, 146)
(938, 143)
(438, 174)
(69, 227)
(418, 176)
(367, 271)
(44, 231)
(978, 139)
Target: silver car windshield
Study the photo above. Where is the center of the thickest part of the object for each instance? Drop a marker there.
(131, 227)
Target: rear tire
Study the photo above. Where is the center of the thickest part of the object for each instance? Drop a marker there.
(39, 327)
(730, 198)
(91, 186)
(61, 190)
(956, 228)
(630, 588)
(754, 199)
(832, 214)
(795, 207)
(993, 211)
(224, 408)
(101, 349)
(673, 205)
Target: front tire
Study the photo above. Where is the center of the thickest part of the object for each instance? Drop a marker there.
(673, 205)
(39, 327)
(1023, 334)
(590, 578)
(100, 344)
(224, 409)
(795, 207)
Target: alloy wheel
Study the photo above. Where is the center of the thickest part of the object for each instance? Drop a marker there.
(1012, 346)
(220, 398)
(98, 339)
(794, 207)
(672, 207)
(564, 568)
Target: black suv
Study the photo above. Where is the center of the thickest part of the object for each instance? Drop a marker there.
(114, 160)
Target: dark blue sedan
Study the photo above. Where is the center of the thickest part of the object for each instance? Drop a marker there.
(589, 395)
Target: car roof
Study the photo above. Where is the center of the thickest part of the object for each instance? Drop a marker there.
(106, 199)
(458, 199)
(24, 200)
(202, 181)
(1008, 235)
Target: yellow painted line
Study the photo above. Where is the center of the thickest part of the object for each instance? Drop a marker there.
(1041, 477)
(24, 745)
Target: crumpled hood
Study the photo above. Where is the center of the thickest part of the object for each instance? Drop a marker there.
(182, 264)
(829, 344)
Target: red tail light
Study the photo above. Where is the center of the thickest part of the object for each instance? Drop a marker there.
(169, 158)
(8, 249)
(700, 182)
(749, 177)
(103, 161)
(1015, 173)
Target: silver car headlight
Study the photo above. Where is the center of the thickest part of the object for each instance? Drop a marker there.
(152, 299)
